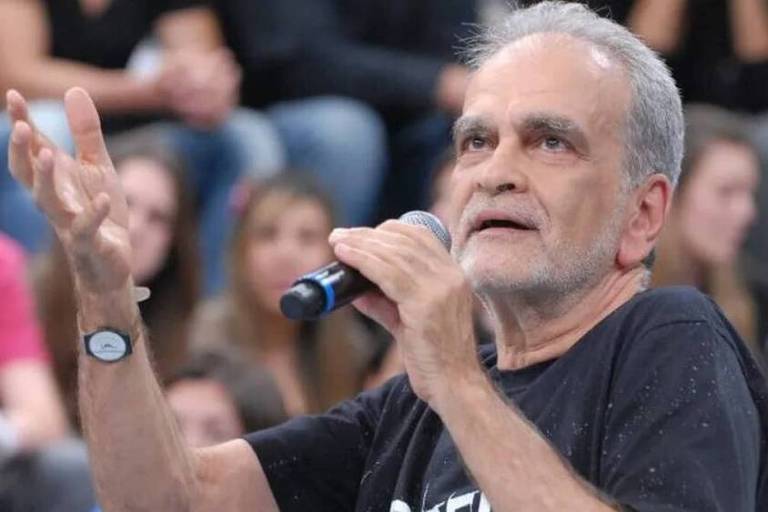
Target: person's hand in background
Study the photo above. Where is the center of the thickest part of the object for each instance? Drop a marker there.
(201, 87)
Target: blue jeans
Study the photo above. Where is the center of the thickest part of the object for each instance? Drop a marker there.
(216, 160)
(343, 142)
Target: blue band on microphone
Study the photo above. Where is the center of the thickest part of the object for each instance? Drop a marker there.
(330, 295)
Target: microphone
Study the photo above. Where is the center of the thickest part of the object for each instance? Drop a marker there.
(335, 285)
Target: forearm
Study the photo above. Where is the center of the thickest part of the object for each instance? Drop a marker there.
(140, 461)
(512, 463)
(658, 22)
(749, 26)
(113, 91)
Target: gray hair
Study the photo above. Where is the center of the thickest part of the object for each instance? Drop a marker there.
(655, 126)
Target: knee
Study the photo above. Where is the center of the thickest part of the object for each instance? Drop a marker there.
(350, 124)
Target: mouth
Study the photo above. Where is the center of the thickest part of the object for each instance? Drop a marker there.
(500, 222)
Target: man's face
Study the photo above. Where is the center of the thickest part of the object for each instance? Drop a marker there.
(536, 203)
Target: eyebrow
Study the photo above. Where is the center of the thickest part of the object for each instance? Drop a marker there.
(539, 123)
(469, 124)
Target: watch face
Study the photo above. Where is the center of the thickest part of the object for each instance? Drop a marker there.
(107, 346)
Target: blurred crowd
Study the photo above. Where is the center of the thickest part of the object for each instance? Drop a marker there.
(243, 131)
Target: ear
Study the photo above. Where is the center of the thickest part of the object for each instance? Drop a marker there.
(649, 206)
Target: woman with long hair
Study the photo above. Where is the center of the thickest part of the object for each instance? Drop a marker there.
(165, 260)
(713, 210)
(283, 233)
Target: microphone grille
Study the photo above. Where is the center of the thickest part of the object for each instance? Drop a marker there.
(432, 223)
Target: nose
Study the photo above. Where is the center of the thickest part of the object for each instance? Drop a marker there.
(502, 172)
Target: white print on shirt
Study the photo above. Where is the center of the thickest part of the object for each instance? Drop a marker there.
(468, 502)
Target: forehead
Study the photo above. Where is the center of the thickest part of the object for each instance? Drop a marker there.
(553, 73)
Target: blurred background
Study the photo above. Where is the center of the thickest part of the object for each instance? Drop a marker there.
(243, 131)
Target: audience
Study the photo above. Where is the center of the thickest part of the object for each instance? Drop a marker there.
(711, 215)
(50, 45)
(40, 467)
(398, 56)
(164, 255)
(281, 234)
(217, 397)
(337, 137)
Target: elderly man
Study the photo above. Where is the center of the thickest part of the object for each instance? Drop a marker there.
(598, 395)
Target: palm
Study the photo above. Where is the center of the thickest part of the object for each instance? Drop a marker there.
(81, 197)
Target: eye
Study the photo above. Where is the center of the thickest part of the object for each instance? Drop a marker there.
(474, 143)
(556, 144)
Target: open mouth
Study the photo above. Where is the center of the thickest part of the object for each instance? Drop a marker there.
(502, 224)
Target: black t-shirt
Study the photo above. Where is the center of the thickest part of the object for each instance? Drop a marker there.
(660, 406)
(105, 40)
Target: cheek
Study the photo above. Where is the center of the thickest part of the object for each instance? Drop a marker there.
(158, 243)
(703, 217)
(257, 265)
(313, 257)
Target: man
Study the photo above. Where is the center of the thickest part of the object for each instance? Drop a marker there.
(597, 397)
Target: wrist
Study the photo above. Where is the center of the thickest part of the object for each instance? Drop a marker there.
(116, 308)
(460, 391)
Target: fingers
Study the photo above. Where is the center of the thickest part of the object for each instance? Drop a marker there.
(20, 154)
(17, 106)
(86, 127)
(380, 309)
(394, 269)
(44, 187)
(85, 225)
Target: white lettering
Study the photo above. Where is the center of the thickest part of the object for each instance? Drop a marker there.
(456, 503)
(484, 505)
(399, 506)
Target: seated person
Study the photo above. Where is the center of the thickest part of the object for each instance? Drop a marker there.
(281, 234)
(35, 452)
(217, 397)
(58, 44)
(709, 221)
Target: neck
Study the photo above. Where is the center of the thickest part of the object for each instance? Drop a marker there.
(527, 334)
(675, 263)
(277, 334)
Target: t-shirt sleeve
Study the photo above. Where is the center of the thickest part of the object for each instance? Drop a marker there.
(316, 462)
(20, 336)
(683, 431)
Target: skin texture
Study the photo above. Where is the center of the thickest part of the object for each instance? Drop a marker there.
(565, 187)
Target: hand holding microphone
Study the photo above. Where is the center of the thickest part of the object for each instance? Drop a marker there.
(335, 285)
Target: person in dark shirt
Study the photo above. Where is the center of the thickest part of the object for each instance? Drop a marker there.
(57, 44)
(395, 55)
(597, 396)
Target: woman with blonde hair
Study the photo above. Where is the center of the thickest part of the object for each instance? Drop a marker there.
(710, 217)
(165, 260)
(283, 233)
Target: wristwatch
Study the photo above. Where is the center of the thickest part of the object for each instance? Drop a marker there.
(107, 345)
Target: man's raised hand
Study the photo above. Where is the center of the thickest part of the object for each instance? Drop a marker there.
(81, 196)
